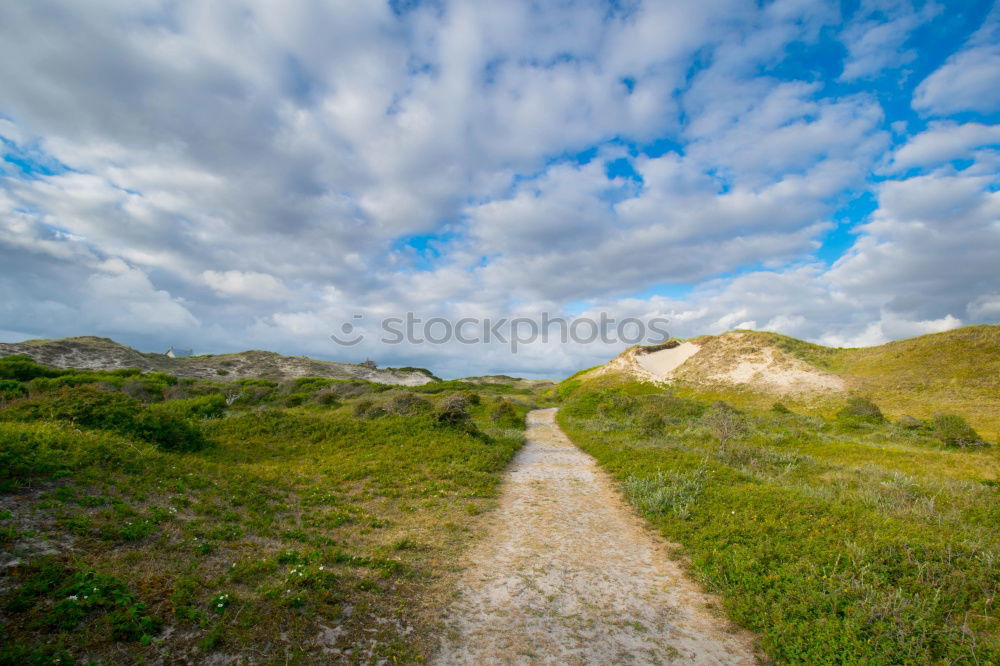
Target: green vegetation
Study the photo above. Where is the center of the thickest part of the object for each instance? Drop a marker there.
(845, 539)
(324, 530)
(956, 372)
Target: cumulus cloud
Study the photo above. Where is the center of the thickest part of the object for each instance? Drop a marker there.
(967, 81)
(260, 286)
(252, 174)
(944, 141)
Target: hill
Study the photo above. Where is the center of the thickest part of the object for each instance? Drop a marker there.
(93, 353)
(956, 371)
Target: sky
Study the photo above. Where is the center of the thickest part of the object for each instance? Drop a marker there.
(256, 174)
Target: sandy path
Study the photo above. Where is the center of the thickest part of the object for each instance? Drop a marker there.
(569, 575)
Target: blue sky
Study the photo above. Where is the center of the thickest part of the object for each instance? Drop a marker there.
(252, 175)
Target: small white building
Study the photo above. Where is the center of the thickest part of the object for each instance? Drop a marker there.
(179, 353)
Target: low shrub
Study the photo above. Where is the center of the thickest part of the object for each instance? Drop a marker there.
(953, 430)
(726, 422)
(860, 410)
(11, 389)
(327, 398)
(168, 431)
(91, 407)
(909, 423)
(208, 406)
(616, 405)
(86, 405)
(406, 404)
(310, 384)
(24, 369)
(453, 410)
(145, 389)
(351, 389)
(254, 394)
(366, 409)
(62, 597)
(667, 493)
(504, 415)
(650, 423)
(295, 399)
(47, 450)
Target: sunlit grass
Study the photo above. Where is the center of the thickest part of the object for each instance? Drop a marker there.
(837, 542)
(301, 533)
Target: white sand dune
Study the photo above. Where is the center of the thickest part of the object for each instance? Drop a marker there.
(662, 363)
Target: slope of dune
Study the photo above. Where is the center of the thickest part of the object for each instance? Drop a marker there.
(954, 371)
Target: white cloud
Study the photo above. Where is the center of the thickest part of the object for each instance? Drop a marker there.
(944, 141)
(876, 37)
(259, 286)
(968, 80)
(251, 174)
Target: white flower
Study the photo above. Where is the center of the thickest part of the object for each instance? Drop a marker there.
(72, 597)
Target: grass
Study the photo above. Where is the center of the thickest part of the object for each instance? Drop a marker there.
(847, 540)
(956, 371)
(297, 534)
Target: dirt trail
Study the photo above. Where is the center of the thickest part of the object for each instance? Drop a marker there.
(569, 575)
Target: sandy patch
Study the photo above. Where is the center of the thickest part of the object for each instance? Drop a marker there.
(779, 375)
(568, 574)
(662, 363)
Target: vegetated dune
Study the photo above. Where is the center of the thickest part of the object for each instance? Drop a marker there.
(735, 358)
(958, 370)
(93, 353)
(518, 382)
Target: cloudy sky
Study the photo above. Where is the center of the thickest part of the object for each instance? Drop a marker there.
(253, 174)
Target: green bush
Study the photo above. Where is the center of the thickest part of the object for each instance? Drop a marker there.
(953, 430)
(10, 389)
(24, 369)
(145, 389)
(46, 450)
(860, 410)
(909, 423)
(366, 409)
(327, 398)
(91, 407)
(85, 405)
(208, 406)
(351, 389)
(650, 423)
(667, 493)
(453, 410)
(310, 384)
(616, 405)
(295, 399)
(406, 404)
(504, 415)
(168, 431)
